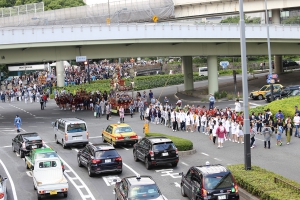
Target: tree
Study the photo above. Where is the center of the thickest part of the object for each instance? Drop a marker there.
(292, 20)
(236, 20)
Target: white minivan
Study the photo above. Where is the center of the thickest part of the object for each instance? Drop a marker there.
(203, 71)
(70, 132)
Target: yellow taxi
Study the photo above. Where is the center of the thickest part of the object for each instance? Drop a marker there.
(119, 134)
(261, 94)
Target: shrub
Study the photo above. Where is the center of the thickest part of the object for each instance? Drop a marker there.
(180, 143)
(230, 96)
(260, 182)
(223, 94)
(287, 106)
(51, 96)
(217, 95)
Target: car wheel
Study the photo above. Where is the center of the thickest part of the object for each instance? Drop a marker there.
(260, 97)
(111, 141)
(63, 144)
(66, 194)
(135, 156)
(174, 164)
(182, 191)
(21, 154)
(147, 164)
(13, 148)
(55, 138)
(90, 172)
(103, 139)
(79, 162)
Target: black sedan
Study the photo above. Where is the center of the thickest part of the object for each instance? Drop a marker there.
(23, 143)
(3, 189)
(99, 158)
(282, 93)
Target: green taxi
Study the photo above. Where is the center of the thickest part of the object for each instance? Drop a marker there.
(40, 153)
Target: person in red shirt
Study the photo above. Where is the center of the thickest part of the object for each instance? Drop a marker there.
(221, 131)
(240, 118)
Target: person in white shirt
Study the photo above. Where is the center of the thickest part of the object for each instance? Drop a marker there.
(234, 129)
(296, 121)
(204, 123)
(227, 125)
(237, 106)
(174, 118)
(182, 118)
(214, 131)
(188, 122)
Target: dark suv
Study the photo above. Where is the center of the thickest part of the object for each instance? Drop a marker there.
(23, 143)
(99, 158)
(281, 93)
(213, 182)
(139, 187)
(156, 151)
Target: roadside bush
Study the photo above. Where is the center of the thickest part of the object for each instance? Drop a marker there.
(51, 96)
(260, 183)
(229, 72)
(223, 94)
(217, 95)
(180, 143)
(230, 96)
(287, 106)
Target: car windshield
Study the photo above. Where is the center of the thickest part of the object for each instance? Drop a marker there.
(218, 182)
(46, 155)
(295, 92)
(106, 154)
(144, 192)
(73, 128)
(264, 88)
(164, 146)
(123, 130)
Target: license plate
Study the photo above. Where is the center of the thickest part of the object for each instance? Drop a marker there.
(107, 160)
(77, 138)
(53, 192)
(33, 146)
(222, 197)
(165, 154)
(126, 138)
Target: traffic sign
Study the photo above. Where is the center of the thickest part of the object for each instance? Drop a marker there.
(274, 75)
(155, 18)
(224, 64)
(107, 20)
(80, 58)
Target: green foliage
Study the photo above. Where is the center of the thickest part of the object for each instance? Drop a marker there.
(260, 182)
(292, 20)
(229, 72)
(49, 4)
(180, 143)
(236, 20)
(229, 96)
(51, 96)
(199, 60)
(287, 106)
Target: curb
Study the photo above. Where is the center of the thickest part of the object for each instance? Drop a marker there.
(186, 153)
(244, 195)
(175, 95)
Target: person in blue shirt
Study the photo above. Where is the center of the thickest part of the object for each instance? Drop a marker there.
(279, 115)
(211, 101)
(18, 123)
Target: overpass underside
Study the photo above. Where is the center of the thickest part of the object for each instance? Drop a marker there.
(135, 48)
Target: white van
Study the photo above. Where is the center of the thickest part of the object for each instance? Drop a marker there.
(203, 71)
(70, 132)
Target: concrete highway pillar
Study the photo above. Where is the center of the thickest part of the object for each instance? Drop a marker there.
(278, 68)
(212, 65)
(187, 69)
(276, 16)
(60, 71)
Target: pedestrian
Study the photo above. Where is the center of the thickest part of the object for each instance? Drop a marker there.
(150, 95)
(214, 132)
(296, 123)
(240, 133)
(253, 132)
(18, 123)
(121, 114)
(237, 106)
(288, 131)
(211, 101)
(174, 118)
(279, 128)
(42, 103)
(234, 127)
(267, 133)
(97, 110)
(44, 97)
(107, 111)
(221, 131)
(131, 109)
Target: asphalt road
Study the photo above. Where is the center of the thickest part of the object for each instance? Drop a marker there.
(282, 160)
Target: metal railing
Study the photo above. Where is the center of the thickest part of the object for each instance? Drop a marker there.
(286, 184)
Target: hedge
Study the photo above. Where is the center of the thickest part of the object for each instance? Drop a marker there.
(287, 106)
(260, 182)
(180, 143)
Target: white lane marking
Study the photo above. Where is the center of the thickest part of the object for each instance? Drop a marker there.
(204, 154)
(124, 148)
(109, 180)
(177, 184)
(6, 146)
(10, 180)
(259, 139)
(184, 164)
(75, 150)
(217, 159)
(32, 126)
(255, 104)
(29, 173)
(130, 168)
(96, 137)
(91, 196)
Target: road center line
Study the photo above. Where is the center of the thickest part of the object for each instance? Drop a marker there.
(10, 180)
(217, 159)
(184, 164)
(124, 148)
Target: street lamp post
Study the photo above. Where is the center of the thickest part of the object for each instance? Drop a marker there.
(247, 152)
(269, 49)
